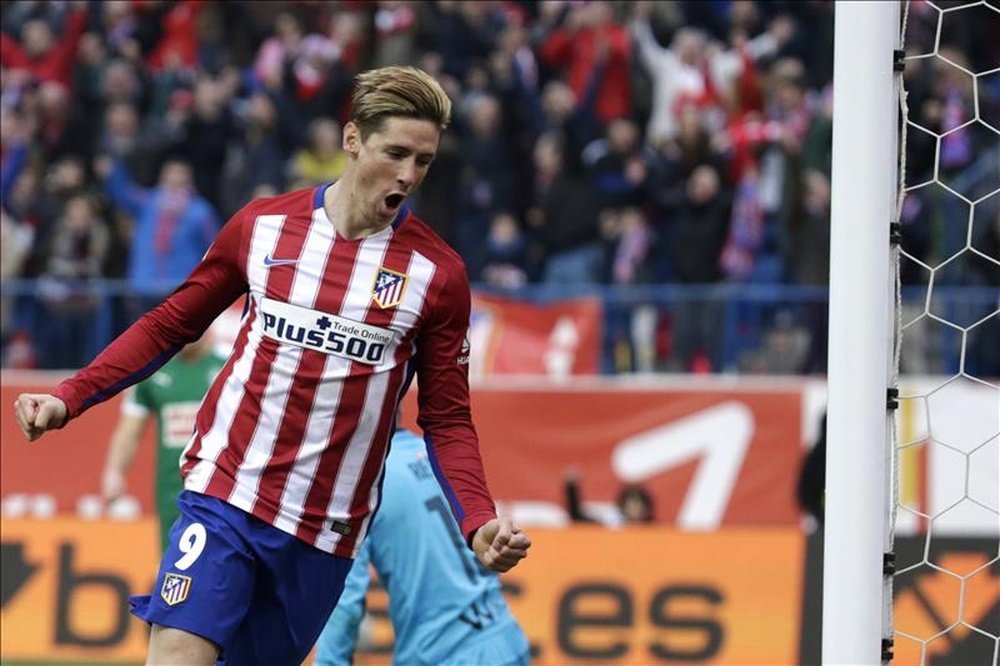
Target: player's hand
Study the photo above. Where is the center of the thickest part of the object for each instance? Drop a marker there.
(38, 413)
(500, 544)
(112, 485)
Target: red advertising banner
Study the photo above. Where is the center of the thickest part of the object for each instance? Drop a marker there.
(709, 455)
(556, 339)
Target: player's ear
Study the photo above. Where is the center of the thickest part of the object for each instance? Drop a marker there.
(352, 139)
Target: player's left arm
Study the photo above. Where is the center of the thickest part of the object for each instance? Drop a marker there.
(444, 412)
(446, 418)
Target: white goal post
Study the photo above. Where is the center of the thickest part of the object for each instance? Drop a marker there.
(857, 598)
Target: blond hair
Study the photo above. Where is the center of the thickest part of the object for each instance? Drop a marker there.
(397, 91)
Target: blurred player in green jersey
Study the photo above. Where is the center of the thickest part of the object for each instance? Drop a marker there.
(172, 396)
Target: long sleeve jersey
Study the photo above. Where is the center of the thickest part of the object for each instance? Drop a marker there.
(295, 428)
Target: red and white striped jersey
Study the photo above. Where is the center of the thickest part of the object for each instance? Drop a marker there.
(295, 428)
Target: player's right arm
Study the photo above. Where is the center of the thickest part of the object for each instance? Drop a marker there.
(123, 447)
(217, 281)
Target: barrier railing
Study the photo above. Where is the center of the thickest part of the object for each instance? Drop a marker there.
(749, 328)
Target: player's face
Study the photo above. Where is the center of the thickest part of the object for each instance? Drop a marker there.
(391, 163)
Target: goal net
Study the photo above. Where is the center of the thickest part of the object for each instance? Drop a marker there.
(912, 561)
(947, 460)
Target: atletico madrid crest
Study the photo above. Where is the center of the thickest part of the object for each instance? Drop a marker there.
(387, 291)
(175, 588)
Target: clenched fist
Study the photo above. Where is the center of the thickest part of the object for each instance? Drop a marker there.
(38, 413)
(500, 544)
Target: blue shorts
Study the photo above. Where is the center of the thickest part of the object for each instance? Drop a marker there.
(261, 595)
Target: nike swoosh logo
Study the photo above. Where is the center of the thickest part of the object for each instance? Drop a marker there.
(268, 261)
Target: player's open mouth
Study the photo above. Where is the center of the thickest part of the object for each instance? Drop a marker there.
(394, 201)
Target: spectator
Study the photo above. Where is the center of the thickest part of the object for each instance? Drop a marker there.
(586, 38)
(572, 119)
(118, 24)
(40, 53)
(205, 136)
(172, 227)
(14, 149)
(633, 239)
(675, 72)
(692, 145)
(174, 35)
(87, 79)
(636, 505)
(698, 228)
(23, 201)
(462, 33)
(506, 263)
(348, 32)
(630, 341)
(275, 51)
(41, 204)
(565, 219)
(785, 349)
(75, 256)
(62, 130)
(396, 31)
(619, 165)
(265, 139)
(15, 241)
(694, 240)
(310, 73)
(790, 113)
(123, 139)
(323, 160)
(120, 83)
(487, 177)
(633, 505)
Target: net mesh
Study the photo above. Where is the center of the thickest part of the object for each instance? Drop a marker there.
(946, 486)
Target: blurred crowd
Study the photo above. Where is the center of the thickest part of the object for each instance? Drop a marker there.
(619, 143)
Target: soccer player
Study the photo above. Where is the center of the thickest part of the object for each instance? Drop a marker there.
(350, 296)
(441, 613)
(173, 396)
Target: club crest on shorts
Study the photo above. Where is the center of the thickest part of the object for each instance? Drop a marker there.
(387, 291)
(175, 588)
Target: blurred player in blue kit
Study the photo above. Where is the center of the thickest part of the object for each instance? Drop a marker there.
(446, 608)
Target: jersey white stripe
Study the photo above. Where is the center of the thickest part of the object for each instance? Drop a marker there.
(356, 455)
(263, 243)
(421, 272)
(263, 240)
(306, 284)
(307, 460)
